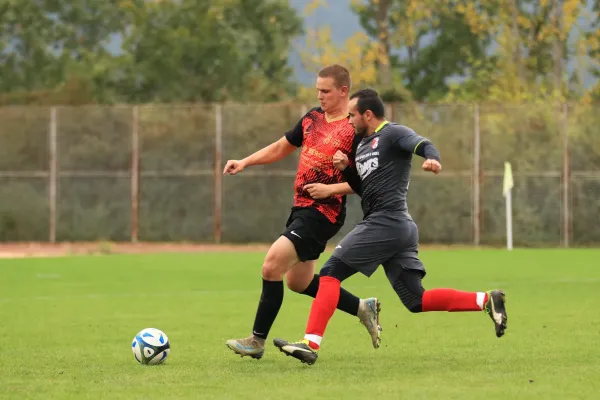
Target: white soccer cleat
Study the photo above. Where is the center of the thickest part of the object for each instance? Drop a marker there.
(246, 347)
(368, 313)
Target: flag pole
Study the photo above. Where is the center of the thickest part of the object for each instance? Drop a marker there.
(507, 191)
(509, 239)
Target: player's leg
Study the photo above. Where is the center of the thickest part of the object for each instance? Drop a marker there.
(302, 279)
(280, 258)
(332, 274)
(310, 236)
(362, 250)
(406, 272)
(493, 302)
(367, 310)
(407, 285)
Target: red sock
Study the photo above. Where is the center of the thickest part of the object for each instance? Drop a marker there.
(453, 300)
(322, 310)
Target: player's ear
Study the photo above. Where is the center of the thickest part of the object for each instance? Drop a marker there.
(344, 90)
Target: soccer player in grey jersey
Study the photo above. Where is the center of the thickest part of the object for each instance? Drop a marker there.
(387, 235)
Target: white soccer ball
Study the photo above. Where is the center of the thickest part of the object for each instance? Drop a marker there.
(150, 346)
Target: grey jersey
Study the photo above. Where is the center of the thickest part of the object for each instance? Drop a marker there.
(383, 162)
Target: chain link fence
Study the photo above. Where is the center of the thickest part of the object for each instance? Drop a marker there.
(154, 173)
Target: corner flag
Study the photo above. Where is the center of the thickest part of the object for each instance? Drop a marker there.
(508, 179)
(507, 192)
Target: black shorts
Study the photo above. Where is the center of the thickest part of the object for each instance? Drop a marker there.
(381, 240)
(309, 231)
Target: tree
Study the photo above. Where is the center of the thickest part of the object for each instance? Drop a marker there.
(425, 41)
(496, 49)
(590, 46)
(47, 43)
(228, 49)
(172, 50)
(358, 53)
(531, 49)
(29, 60)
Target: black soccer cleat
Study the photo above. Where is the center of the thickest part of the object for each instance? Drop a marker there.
(299, 350)
(495, 307)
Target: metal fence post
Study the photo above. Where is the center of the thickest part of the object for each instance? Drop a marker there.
(476, 178)
(218, 175)
(53, 175)
(135, 172)
(566, 177)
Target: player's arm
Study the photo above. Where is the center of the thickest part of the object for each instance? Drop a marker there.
(270, 154)
(320, 191)
(352, 179)
(407, 140)
(349, 173)
(342, 163)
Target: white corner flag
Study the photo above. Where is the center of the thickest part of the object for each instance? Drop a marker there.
(507, 192)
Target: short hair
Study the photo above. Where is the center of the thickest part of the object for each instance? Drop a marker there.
(340, 75)
(368, 99)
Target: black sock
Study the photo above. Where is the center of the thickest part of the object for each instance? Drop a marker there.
(347, 303)
(268, 307)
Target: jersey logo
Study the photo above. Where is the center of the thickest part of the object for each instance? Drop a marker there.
(375, 142)
(365, 168)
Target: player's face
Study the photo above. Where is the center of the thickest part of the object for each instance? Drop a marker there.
(356, 119)
(330, 97)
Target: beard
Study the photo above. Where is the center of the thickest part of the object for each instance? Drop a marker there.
(360, 132)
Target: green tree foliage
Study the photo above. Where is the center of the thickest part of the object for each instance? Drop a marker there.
(426, 42)
(54, 46)
(57, 51)
(501, 50)
(190, 50)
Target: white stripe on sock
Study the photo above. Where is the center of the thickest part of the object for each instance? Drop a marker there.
(314, 338)
(480, 298)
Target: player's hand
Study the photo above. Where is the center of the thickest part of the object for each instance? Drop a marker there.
(233, 167)
(318, 190)
(433, 166)
(340, 160)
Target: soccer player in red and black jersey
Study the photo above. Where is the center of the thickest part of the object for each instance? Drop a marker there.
(317, 214)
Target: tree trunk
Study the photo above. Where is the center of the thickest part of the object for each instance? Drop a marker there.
(516, 41)
(383, 35)
(557, 45)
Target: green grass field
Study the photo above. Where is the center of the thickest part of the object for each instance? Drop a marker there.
(66, 326)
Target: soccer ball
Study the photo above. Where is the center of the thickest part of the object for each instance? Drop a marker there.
(150, 346)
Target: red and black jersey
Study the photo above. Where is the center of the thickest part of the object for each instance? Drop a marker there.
(320, 139)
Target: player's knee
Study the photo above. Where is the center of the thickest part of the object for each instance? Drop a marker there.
(278, 261)
(336, 268)
(412, 301)
(328, 267)
(296, 286)
(414, 307)
(293, 286)
(272, 270)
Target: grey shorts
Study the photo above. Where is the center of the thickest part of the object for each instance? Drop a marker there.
(381, 240)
